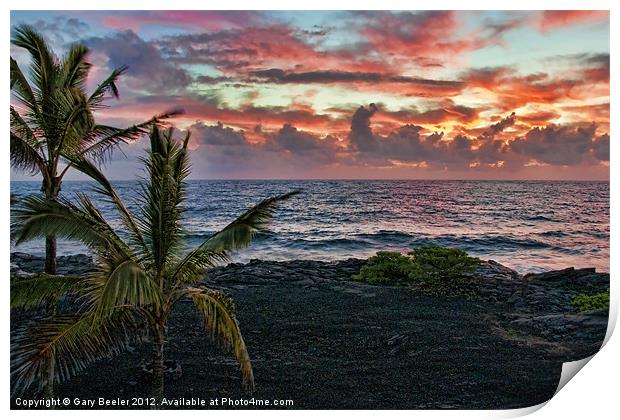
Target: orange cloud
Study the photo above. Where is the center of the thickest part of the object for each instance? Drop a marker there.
(552, 19)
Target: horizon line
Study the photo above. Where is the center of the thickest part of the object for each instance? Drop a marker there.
(345, 179)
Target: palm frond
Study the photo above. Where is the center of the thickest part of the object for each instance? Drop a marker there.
(22, 89)
(237, 234)
(40, 290)
(120, 283)
(20, 127)
(38, 217)
(241, 231)
(75, 68)
(44, 63)
(24, 156)
(99, 142)
(96, 99)
(69, 343)
(162, 195)
(75, 119)
(218, 312)
(106, 190)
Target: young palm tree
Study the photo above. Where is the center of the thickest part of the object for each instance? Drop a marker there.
(138, 280)
(52, 121)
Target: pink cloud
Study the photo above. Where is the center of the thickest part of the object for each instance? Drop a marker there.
(203, 20)
(552, 19)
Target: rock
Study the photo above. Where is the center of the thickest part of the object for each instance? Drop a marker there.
(171, 367)
(534, 305)
(304, 283)
(24, 264)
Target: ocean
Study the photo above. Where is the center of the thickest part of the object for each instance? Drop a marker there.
(530, 226)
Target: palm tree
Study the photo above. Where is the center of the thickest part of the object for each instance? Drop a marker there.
(52, 121)
(138, 280)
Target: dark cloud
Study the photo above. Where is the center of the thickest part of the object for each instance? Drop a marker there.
(219, 145)
(406, 144)
(600, 148)
(555, 145)
(308, 147)
(217, 135)
(448, 112)
(148, 69)
(292, 139)
(361, 135)
(233, 50)
(499, 126)
(334, 76)
(210, 80)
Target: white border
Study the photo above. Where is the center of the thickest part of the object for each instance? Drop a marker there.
(592, 395)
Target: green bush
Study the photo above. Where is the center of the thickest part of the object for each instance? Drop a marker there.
(439, 263)
(432, 268)
(585, 302)
(390, 268)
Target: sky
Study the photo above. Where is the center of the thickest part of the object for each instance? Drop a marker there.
(349, 95)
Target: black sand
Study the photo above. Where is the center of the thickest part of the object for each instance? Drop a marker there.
(328, 343)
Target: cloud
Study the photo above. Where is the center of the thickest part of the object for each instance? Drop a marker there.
(596, 68)
(361, 135)
(513, 90)
(553, 145)
(238, 51)
(147, 68)
(61, 30)
(539, 118)
(406, 85)
(225, 148)
(437, 36)
(217, 135)
(306, 147)
(197, 19)
(211, 109)
(556, 145)
(500, 126)
(601, 148)
(598, 113)
(405, 144)
(553, 19)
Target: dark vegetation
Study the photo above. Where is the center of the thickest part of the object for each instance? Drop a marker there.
(137, 281)
(139, 277)
(434, 269)
(54, 129)
(591, 302)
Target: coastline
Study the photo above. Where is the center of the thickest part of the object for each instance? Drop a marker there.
(324, 341)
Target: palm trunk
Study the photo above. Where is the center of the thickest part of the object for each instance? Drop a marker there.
(51, 189)
(48, 390)
(159, 338)
(50, 254)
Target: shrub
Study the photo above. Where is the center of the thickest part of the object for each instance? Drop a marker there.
(597, 301)
(439, 263)
(390, 268)
(434, 269)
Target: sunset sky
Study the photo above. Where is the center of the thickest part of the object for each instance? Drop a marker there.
(429, 94)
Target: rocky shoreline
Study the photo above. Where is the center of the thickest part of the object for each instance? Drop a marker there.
(325, 341)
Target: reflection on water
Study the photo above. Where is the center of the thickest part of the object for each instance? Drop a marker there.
(530, 226)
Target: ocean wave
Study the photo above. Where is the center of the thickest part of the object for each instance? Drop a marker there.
(523, 223)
